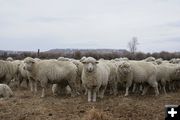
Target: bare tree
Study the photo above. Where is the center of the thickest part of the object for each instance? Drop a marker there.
(132, 45)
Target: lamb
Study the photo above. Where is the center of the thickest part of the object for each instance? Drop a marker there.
(56, 72)
(138, 72)
(5, 91)
(95, 77)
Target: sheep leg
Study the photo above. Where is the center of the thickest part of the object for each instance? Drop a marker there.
(31, 85)
(128, 85)
(94, 96)
(43, 85)
(141, 87)
(169, 84)
(154, 84)
(164, 86)
(35, 86)
(89, 95)
(173, 85)
(43, 93)
(73, 87)
(27, 83)
(20, 81)
(145, 90)
(134, 87)
(115, 91)
(101, 91)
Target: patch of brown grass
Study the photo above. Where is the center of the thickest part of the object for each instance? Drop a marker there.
(95, 114)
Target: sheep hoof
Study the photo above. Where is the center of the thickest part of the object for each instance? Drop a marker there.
(126, 95)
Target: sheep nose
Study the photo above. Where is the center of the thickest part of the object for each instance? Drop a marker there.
(90, 69)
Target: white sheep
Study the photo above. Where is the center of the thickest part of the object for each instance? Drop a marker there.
(149, 59)
(23, 74)
(95, 77)
(138, 72)
(167, 73)
(112, 76)
(5, 91)
(9, 59)
(63, 59)
(56, 72)
(8, 71)
(159, 61)
(175, 61)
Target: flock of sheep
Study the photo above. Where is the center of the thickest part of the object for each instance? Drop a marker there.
(90, 76)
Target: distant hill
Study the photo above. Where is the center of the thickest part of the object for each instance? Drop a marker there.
(68, 51)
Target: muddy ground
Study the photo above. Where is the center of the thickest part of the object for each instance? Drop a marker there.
(25, 106)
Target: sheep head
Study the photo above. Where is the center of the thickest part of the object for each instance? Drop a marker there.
(124, 68)
(29, 62)
(177, 72)
(90, 64)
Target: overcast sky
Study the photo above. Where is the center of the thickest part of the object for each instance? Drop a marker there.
(48, 24)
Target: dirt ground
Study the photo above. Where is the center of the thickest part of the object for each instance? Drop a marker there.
(25, 106)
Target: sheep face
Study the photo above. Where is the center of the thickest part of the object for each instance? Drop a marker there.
(29, 62)
(90, 64)
(124, 68)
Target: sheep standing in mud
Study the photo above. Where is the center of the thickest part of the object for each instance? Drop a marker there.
(95, 77)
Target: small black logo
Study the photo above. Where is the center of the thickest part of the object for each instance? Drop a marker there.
(172, 112)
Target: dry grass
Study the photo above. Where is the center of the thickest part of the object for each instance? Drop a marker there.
(25, 106)
(95, 114)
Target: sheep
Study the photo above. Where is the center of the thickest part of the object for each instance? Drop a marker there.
(149, 59)
(121, 59)
(8, 71)
(175, 61)
(138, 72)
(5, 91)
(9, 59)
(167, 73)
(63, 59)
(56, 72)
(23, 74)
(95, 77)
(82, 59)
(79, 66)
(37, 59)
(112, 76)
(159, 61)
